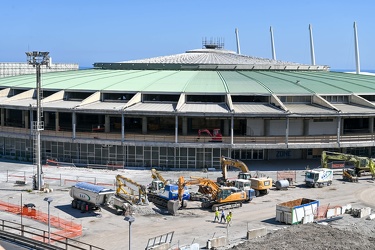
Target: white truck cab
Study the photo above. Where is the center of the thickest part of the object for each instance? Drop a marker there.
(319, 177)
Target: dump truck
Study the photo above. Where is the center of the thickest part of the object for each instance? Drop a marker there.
(87, 196)
(318, 177)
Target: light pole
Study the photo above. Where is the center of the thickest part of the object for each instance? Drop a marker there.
(49, 200)
(130, 219)
(37, 58)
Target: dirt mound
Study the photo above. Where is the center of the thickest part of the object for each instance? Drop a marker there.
(310, 236)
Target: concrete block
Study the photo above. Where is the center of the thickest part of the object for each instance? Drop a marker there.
(331, 212)
(217, 242)
(371, 217)
(254, 233)
(164, 246)
(366, 211)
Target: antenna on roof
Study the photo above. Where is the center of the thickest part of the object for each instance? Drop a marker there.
(272, 44)
(238, 42)
(312, 46)
(212, 44)
(358, 66)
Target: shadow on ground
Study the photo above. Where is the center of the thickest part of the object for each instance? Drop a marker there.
(78, 213)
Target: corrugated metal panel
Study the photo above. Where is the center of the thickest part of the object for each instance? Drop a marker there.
(175, 82)
(153, 107)
(22, 103)
(308, 109)
(316, 126)
(206, 82)
(276, 83)
(312, 82)
(352, 108)
(61, 104)
(102, 106)
(257, 108)
(204, 108)
(352, 83)
(239, 84)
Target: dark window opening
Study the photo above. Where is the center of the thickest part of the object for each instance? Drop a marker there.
(76, 96)
(116, 97)
(160, 98)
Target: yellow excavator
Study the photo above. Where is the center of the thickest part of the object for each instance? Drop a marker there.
(361, 164)
(259, 184)
(128, 192)
(216, 197)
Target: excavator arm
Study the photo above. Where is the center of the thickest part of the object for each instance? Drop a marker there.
(128, 188)
(226, 161)
(360, 163)
(157, 176)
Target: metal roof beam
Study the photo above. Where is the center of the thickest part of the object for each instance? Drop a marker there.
(323, 102)
(360, 101)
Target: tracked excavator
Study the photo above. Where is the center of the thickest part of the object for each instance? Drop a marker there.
(361, 164)
(215, 136)
(128, 192)
(216, 197)
(163, 194)
(261, 185)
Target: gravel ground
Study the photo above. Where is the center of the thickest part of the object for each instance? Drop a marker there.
(108, 230)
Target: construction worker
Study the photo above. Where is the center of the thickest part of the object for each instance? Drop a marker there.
(216, 215)
(229, 218)
(222, 216)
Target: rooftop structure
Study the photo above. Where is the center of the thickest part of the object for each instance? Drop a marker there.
(148, 112)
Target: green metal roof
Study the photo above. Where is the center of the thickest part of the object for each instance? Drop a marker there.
(201, 82)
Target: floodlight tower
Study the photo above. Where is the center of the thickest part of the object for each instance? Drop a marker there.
(37, 59)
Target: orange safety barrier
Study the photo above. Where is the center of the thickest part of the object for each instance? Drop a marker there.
(69, 229)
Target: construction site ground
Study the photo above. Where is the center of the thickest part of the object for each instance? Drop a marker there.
(108, 230)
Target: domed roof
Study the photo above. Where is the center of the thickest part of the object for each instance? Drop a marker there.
(209, 58)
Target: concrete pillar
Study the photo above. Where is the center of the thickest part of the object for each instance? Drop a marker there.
(74, 124)
(371, 124)
(286, 131)
(231, 130)
(25, 118)
(57, 121)
(340, 129)
(122, 127)
(2, 117)
(306, 127)
(107, 124)
(46, 119)
(176, 129)
(144, 125)
(6, 114)
(226, 128)
(31, 121)
(184, 125)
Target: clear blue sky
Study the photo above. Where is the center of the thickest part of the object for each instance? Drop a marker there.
(88, 31)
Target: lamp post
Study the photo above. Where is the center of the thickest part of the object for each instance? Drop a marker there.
(129, 219)
(49, 200)
(37, 58)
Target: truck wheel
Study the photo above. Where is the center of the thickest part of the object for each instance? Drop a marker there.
(316, 185)
(83, 206)
(329, 183)
(257, 193)
(74, 204)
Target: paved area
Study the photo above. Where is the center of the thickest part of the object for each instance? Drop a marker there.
(108, 230)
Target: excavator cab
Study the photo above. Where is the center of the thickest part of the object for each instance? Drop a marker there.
(156, 185)
(244, 176)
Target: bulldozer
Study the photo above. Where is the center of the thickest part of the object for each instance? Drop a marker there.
(261, 185)
(215, 136)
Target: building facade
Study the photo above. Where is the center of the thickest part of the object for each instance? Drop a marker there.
(186, 110)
